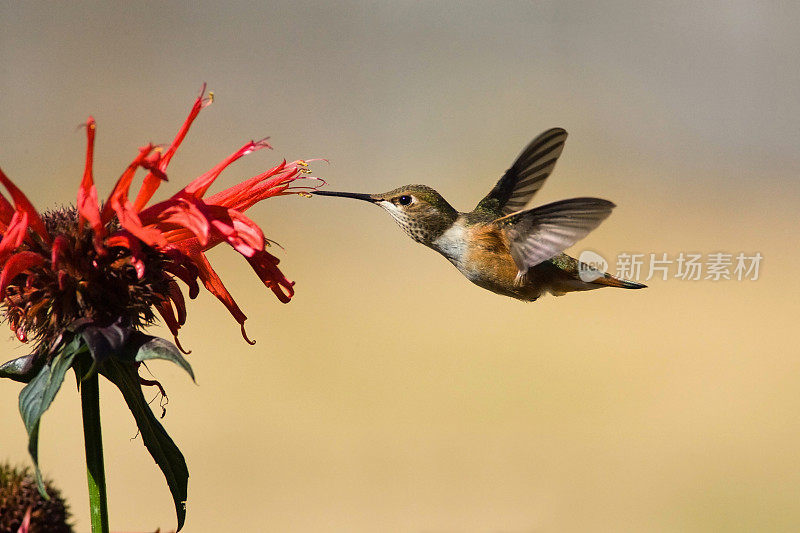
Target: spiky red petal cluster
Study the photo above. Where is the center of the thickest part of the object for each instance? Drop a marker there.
(171, 236)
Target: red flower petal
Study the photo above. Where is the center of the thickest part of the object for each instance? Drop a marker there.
(88, 206)
(246, 194)
(6, 212)
(127, 240)
(22, 204)
(240, 232)
(164, 308)
(126, 214)
(265, 266)
(183, 240)
(179, 213)
(152, 163)
(202, 226)
(200, 185)
(60, 244)
(176, 296)
(17, 264)
(130, 221)
(152, 180)
(184, 269)
(215, 286)
(120, 190)
(14, 236)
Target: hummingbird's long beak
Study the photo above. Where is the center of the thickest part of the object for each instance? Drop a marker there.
(356, 195)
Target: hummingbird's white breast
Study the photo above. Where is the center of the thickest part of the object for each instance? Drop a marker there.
(452, 244)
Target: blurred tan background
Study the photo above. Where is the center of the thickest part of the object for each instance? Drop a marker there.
(391, 394)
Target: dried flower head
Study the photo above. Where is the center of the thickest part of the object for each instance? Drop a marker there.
(19, 499)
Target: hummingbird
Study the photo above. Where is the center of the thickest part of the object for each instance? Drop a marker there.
(499, 245)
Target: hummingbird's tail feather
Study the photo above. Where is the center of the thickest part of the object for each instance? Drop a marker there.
(610, 281)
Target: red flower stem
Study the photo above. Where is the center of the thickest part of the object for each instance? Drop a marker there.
(93, 440)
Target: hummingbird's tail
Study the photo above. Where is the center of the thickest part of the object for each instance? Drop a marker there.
(564, 274)
(610, 281)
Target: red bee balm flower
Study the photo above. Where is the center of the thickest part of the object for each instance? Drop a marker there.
(122, 258)
(83, 282)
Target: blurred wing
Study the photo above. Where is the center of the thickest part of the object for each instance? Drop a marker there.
(526, 175)
(539, 234)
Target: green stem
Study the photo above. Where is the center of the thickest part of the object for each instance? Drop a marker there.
(95, 471)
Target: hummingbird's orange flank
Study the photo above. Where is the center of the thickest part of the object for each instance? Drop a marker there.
(498, 246)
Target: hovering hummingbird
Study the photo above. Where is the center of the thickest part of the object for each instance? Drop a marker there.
(499, 246)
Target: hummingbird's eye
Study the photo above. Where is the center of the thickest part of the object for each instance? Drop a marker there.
(405, 200)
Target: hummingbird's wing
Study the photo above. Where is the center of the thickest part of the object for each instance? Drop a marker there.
(538, 234)
(526, 175)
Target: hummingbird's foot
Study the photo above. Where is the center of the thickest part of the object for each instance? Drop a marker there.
(521, 279)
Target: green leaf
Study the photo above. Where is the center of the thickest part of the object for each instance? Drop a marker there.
(164, 451)
(21, 369)
(36, 397)
(158, 348)
(25, 368)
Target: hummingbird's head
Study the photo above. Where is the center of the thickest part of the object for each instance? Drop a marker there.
(419, 210)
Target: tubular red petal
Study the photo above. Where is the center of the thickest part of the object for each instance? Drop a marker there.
(266, 268)
(130, 221)
(182, 268)
(88, 205)
(14, 236)
(60, 244)
(147, 190)
(17, 264)
(126, 213)
(152, 181)
(186, 218)
(215, 286)
(246, 194)
(6, 212)
(176, 296)
(22, 204)
(179, 212)
(120, 191)
(240, 232)
(127, 240)
(200, 185)
(164, 308)
(152, 163)
(182, 239)
(247, 230)
(199, 104)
